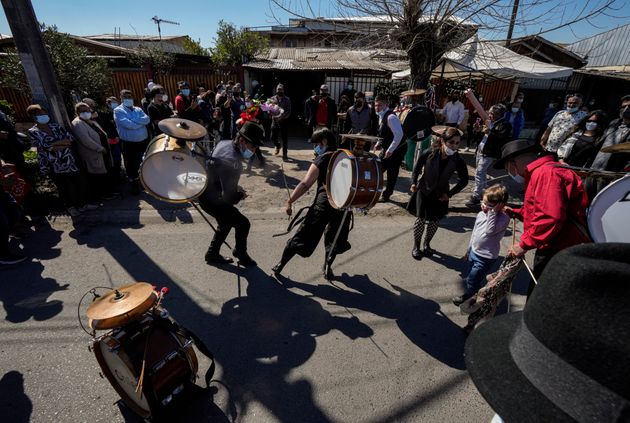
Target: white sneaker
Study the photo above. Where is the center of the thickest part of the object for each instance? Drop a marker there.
(74, 212)
(88, 207)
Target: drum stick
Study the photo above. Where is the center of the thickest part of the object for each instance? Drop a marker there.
(208, 222)
(475, 103)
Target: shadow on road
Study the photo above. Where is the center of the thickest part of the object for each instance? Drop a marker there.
(15, 405)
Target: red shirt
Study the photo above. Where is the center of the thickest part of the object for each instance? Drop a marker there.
(321, 117)
(552, 195)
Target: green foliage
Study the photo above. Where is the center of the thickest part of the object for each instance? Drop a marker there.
(161, 63)
(77, 75)
(233, 46)
(6, 108)
(194, 47)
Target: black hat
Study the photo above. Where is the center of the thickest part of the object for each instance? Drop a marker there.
(514, 148)
(566, 357)
(252, 132)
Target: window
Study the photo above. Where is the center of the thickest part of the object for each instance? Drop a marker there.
(290, 43)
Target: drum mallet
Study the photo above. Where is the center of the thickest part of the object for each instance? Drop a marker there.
(208, 222)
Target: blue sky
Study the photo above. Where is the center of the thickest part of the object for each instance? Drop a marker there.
(199, 18)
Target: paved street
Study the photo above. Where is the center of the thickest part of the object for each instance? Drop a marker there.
(381, 343)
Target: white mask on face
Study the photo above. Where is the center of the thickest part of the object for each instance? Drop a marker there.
(591, 126)
(85, 115)
(164, 97)
(449, 151)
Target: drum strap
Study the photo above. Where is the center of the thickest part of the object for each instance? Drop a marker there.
(297, 219)
(172, 325)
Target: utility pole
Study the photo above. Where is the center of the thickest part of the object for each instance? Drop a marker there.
(38, 68)
(158, 21)
(512, 21)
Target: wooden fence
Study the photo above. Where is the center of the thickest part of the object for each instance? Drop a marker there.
(135, 80)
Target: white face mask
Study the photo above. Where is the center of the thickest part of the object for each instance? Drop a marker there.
(515, 109)
(449, 151)
(85, 115)
(591, 126)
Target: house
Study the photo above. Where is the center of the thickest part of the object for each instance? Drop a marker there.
(168, 44)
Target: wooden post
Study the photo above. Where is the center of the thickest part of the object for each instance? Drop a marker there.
(35, 59)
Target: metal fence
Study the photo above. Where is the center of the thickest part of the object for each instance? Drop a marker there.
(336, 84)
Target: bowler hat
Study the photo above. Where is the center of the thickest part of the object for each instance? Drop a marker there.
(513, 149)
(252, 132)
(566, 357)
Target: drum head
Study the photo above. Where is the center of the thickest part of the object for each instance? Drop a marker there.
(608, 214)
(173, 175)
(340, 171)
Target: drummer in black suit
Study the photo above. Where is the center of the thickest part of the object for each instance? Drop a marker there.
(321, 217)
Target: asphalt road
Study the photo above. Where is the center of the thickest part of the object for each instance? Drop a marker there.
(381, 343)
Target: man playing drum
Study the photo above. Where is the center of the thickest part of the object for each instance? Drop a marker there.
(321, 217)
(223, 192)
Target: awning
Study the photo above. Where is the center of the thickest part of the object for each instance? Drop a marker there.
(485, 58)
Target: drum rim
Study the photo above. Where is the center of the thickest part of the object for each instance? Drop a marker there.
(599, 198)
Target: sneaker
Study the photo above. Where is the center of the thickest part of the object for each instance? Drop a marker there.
(216, 258)
(243, 258)
(459, 300)
(73, 211)
(11, 258)
(88, 207)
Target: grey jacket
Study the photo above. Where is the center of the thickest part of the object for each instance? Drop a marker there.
(91, 152)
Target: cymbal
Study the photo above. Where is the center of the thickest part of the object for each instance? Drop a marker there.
(417, 91)
(624, 147)
(182, 128)
(360, 137)
(121, 305)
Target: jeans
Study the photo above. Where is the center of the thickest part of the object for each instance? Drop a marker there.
(482, 162)
(478, 269)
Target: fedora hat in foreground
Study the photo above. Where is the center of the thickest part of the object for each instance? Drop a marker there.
(513, 149)
(566, 357)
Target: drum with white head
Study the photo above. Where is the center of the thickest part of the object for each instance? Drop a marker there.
(354, 179)
(609, 212)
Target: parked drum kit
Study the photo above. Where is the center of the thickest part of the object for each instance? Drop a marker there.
(145, 355)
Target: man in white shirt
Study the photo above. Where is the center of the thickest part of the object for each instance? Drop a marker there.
(391, 132)
(453, 111)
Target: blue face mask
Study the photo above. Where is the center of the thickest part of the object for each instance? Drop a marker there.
(572, 109)
(319, 150)
(247, 153)
(186, 92)
(113, 105)
(128, 102)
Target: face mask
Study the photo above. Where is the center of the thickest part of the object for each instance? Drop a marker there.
(186, 92)
(381, 113)
(519, 100)
(517, 178)
(113, 105)
(280, 93)
(247, 154)
(319, 150)
(625, 114)
(324, 94)
(349, 86)
(449, 151)
(572, 109)
(591, 126)
(164, 97)
(128, 102)
(43, 119)
(552, 106)
(85, 115)
(359, 104)
(515, 109)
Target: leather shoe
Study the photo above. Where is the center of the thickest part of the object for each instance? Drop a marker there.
(428, 251)
(217, 258)
(243, 258)
(460, 299)
(277, 269)
(416, 253)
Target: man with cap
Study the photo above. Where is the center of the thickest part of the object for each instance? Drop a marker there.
(554, 207)
(280, 123)
(322, 110)
(393, 149)
(564, 358)
(218, 200)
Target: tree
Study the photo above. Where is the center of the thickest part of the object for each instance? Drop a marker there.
(426, 29)
(158, 61)
(233, 46)
(77, 74)
(194, 47)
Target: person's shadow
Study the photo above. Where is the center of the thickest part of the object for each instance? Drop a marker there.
(420, 319)
(15, 405)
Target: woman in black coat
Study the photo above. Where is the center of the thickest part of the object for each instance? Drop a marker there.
(432, 192)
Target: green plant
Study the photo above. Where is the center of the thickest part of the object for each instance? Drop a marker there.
(159, 61)
(234, 46)
(194, 47)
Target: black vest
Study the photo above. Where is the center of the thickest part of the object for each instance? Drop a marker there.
(384, 131)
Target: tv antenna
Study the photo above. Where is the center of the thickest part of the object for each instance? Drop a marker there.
(158, 21)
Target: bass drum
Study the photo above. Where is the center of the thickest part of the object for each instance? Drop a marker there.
(354, 180)
(169, 363)
(172, 172)
(609, 211)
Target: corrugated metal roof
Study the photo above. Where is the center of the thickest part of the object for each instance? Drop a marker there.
(330, 58)
(609, 48)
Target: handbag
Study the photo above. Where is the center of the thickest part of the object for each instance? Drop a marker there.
(412, 204)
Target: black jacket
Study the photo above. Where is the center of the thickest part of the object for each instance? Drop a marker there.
(310, 111)
(500, 134)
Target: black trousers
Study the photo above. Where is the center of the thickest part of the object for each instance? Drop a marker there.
(227, 217)
(280, 130)
(391, 166)
(132, 155)
(9, 216)
(70, 187)
(541, 259)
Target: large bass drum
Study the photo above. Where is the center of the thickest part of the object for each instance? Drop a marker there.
(144, 349)
(354, 179)
(609, 211)
(174, 170)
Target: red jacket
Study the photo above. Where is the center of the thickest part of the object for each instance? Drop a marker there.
(554, 201)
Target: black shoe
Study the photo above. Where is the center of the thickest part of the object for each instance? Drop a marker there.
(11, 258)
(277, 269)
(416, 253)
(216, 258)
(135, 188)
(460, 299)
(384, 199)
(327, 272)
(428, 251)
(243, 258)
